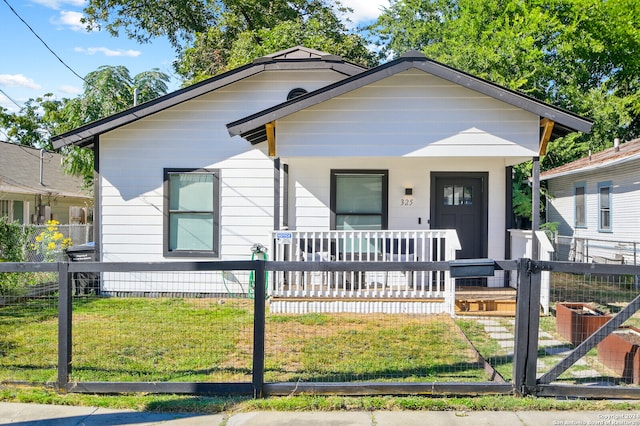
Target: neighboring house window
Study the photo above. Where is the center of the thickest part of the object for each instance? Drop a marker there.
(604, 207)
(192, 212)
(12, 210)
(359, 199)
(580, 205)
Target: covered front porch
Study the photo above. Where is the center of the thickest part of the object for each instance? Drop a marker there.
(384, 289)
(392, 280)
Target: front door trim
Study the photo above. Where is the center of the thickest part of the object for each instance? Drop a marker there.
(484, 177)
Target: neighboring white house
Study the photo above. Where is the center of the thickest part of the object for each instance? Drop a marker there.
(596, 201)
(34, 188)
(411, 145)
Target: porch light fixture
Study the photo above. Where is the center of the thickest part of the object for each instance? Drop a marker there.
(408, 192)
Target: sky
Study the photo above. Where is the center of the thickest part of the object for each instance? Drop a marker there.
(28, 69)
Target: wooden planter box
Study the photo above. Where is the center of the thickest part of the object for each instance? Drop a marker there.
(577, 321)
(620, 351)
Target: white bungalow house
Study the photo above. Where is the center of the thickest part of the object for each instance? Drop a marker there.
(596, 200)
(318, 159)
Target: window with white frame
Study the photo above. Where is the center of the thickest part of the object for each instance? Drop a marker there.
(604, 207)
(13, 210)
(359, 199)
(192, 214)
(580, 205)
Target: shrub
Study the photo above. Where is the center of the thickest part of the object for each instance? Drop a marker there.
(12, 238)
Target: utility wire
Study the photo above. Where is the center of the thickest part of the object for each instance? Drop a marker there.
(10, 98)
(43, 42)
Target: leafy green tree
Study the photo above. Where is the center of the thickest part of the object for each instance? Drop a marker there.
(215, 36)
(34, 124)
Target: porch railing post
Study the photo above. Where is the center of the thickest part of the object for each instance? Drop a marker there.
(259, 328)
(64, 325)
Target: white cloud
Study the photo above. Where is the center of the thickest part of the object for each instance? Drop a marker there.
(18, 80)
(364, 11)
(71, 20)
(57, 4)
(108, 52)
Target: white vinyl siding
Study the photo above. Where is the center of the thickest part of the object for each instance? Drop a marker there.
(193, 135)
(625, 202)
(411, 114)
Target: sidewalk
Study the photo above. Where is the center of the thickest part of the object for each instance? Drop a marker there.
(35, 414)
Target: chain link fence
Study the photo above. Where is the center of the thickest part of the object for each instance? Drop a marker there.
(78, 234)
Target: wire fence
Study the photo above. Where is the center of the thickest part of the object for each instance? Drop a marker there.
(595, 250)
(188, 324)
(582, 303)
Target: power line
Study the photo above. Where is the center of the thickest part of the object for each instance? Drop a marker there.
(43, 42)
(10, 98)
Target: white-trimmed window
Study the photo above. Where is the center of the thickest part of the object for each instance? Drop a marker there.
(14, 210)
(604, 207)
(359, 199)
(191, 212)
(580, 197)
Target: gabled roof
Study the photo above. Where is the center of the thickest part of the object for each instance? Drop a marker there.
(20, 173)
(609, 157)
(252, 127)
(295, 58)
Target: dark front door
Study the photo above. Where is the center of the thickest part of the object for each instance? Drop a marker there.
(459, 201)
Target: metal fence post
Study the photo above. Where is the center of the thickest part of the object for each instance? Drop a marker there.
(64, 325)
(521, 344)
(259, 327)
(534, 326)
(526, 329)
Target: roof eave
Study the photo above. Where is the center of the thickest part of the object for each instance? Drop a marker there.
(83, 136)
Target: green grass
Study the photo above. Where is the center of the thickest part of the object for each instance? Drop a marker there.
(197, 404)
(196, 340)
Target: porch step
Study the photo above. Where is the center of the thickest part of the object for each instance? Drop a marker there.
(486, 301)
(486, 307)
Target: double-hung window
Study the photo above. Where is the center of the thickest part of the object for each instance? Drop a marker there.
(579, 191)
(604, 207)
(359, 199)
(191, 212)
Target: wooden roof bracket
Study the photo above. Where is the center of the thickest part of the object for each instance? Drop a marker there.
(547, 128)
(271, 137)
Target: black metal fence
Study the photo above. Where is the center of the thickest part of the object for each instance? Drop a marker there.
(186, 327)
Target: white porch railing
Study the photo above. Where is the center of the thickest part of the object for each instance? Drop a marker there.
(365, 246)
(521, 247)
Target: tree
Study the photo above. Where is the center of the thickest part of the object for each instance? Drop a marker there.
(215, 36)
(34, 124)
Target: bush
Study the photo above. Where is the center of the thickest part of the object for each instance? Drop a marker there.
(12, 238)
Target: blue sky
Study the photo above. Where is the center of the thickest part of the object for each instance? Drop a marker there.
(29, 70)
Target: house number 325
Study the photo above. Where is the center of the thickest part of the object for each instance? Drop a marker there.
(406, 202)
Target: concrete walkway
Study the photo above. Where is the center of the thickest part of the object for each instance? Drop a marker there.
(35, 414)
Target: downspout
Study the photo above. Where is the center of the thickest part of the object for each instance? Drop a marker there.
(42, 167)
